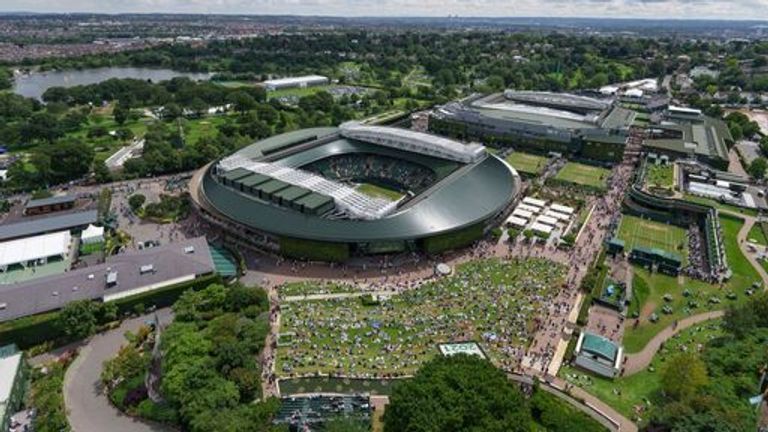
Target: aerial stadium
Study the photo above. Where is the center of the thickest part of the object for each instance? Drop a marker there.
(335, 192)
(540, 122)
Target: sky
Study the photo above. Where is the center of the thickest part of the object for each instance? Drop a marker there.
(674, 9)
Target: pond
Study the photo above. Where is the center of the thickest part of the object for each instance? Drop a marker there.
(34, 84)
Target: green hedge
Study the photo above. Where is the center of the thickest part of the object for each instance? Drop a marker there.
(452, 240)
(34, 330)
(314, 250)
(165, 296)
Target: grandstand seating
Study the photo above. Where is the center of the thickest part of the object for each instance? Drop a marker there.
(359, 167)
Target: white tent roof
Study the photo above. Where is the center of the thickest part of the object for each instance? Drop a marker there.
(545, 229)
(556, 215)
(561, 209)
(31, 248)
(534, 202)
(522, 214)
(516, 221)
(546, 220)
(92, 233)
(530, 208)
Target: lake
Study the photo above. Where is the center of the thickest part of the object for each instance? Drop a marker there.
(33, 85)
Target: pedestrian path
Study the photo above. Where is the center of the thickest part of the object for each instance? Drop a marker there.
(639, 361)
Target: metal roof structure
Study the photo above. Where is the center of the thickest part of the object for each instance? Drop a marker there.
(171, 262)
(417, 142)
(62, 199)
(46, 224)
(347, 199)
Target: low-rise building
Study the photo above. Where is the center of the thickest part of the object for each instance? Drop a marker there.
(599, 355)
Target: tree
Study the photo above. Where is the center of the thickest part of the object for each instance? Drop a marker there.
(458, 393)
(135, 202)
(78, 319)
(242, 101)
(683, 376)
(120, 112)
(757, 168)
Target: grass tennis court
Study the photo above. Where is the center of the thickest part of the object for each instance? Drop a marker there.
(376, 191)
(646, 233)
(527, 163)
(581, 174)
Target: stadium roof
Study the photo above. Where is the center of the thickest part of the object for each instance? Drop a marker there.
(34, 248)
(466, 196)
(347, 199)
(46, 224)
(561, 100)
(418, 142)
(170, 262)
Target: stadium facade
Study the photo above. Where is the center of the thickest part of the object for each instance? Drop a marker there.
(303, 194)
(540, 122)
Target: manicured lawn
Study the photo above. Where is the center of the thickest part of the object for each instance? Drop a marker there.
(744, 275)
(297, 91)
(376, 191)
(639, 232)
(194, 129)
(625, 393)
(492, 302)
(661, 176)
(757, 235)
(527, 163)
(585, 175)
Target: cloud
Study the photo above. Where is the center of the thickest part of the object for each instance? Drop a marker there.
(674, 9)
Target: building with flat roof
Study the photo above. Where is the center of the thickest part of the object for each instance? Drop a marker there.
(540, 122)
(120, 276)
(49, 205)
(599, 355)
(11, 383)
(48, 224)
(292, 82)
(687, 133)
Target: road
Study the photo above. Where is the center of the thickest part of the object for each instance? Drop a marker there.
(88, 409)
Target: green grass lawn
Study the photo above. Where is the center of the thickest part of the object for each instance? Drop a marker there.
(527, 163)
(639, 232)
(625, 393)
(194, 129)
(660, 176)
(585, 175)
(298, 91)
(376, 191)
(744, 275)
(757, 235)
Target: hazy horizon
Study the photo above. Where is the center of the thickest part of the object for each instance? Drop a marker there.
(616, 9)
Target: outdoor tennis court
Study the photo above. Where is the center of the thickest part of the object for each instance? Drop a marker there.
(646, 233)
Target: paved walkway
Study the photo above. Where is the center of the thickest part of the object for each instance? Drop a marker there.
(639, 361)
(88, 409)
